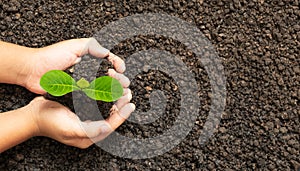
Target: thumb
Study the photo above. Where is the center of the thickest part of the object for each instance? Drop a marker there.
(91, 46)
(95, 128)
(36, 88)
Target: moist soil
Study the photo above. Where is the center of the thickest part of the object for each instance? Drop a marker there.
(258, 42)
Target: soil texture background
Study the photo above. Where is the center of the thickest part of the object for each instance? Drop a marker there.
(258, 42)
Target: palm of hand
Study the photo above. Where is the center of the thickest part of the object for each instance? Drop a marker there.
(57, 56)
(57, 122)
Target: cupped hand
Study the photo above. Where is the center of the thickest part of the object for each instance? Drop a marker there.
(64, 54)
(58, 122)
(55, 120)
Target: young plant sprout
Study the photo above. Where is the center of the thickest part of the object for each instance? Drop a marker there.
(59, 83)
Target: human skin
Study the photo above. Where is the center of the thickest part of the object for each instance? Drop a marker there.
(24, 66)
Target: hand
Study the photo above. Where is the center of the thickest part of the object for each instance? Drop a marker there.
(64, 54)
(58, 122)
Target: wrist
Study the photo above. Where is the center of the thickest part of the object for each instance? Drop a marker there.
(16, 127)
(31, 112)
(15, 63)
(25, 65)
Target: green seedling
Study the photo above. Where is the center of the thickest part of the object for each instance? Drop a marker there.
(59, 83)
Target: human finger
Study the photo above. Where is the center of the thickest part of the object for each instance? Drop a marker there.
(117, 62)
(118, 116)
(101, 136)
(91, 46)
(126, 91)
(77, 60)
(82, 143)
(124, 100)
(120, 77)
(95, 128)
(98, 130)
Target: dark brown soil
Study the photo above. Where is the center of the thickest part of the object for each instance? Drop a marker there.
(258, 42)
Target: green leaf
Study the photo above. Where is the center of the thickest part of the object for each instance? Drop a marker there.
(104, 88)
(83, 83)
(58, 83)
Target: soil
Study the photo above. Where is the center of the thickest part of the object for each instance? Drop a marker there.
(258, 42)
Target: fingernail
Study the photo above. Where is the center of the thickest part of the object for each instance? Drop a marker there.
(77, 60)
(129, 96)
(127, 110)
(104, 51)
(126, 91)
(132, 106)
(111, 72)
(127, 82)
(122, 68)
